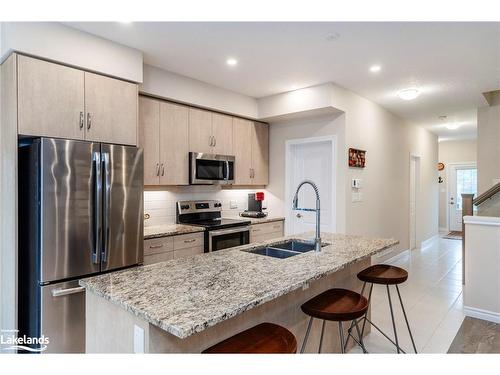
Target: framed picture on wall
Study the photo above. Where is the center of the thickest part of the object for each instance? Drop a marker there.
(357, 158)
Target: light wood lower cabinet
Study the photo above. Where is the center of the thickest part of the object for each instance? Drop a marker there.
(266, 231)
(173, 247)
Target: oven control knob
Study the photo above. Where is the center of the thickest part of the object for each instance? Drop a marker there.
(185, 207)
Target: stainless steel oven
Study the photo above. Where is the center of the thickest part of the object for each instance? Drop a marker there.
(208, 169)
(225, 238)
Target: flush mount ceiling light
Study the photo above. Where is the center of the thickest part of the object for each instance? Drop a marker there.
(409, 93)
(375, 68)
(232, 62)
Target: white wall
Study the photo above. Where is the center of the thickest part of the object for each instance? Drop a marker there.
(388, 140)
(314, 126)
(488, 151)
(452, 152)
(58, 42)
(168, 85)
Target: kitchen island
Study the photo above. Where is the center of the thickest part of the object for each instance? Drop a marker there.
(187, 305)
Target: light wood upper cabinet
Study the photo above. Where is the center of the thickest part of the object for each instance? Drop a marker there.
(222, 132)
(260, 153)
(50, 99)
(149, 130)
(242, 146)
(58, 101)
(210, 132)
(251, 149)
(111, 109)
(200, 131)
(164, 136)
(174, 144)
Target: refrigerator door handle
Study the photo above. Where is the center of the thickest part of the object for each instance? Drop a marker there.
(97, 164)
(64, 292)
(106, 210)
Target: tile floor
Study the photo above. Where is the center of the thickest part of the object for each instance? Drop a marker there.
(432, 297)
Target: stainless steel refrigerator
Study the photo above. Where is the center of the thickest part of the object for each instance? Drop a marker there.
(80, 214)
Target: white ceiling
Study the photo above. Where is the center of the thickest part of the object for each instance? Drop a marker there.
(452, 63)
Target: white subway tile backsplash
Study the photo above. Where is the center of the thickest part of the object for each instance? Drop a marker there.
(160, 204)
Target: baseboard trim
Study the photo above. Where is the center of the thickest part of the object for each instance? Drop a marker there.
(429, 241)
(482, 314)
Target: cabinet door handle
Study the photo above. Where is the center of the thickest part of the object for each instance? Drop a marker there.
(157, 169)
(162, 169)
(82, 120)
(89, 121)
(215, 141)
(155, 246)
(210, 141)
(189, 241)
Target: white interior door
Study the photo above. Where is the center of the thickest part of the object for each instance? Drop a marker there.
(313, 161)
(414, 182)
(462, 179)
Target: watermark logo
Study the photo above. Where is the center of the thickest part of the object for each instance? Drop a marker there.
(10, 341)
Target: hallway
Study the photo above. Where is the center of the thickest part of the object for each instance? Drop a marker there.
(432, 296)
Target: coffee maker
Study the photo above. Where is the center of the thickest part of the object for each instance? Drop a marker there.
(254, 206)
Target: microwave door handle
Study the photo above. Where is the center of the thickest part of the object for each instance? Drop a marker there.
(97, 165)
(106, 209)
(227, 171)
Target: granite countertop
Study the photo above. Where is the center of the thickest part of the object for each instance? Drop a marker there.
(187, 295)
(169, 230)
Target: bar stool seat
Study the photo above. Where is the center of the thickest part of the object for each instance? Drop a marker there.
(264, 338)
(383, 274)
(336, 305)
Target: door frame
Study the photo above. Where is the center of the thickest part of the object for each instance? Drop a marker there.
(450, 167)
(414, 228)
(289, 190)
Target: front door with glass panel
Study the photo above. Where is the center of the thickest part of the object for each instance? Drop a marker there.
(463, 179)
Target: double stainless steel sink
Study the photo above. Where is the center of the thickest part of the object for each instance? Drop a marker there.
(285, 249)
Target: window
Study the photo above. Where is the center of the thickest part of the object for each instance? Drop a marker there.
(466, 184)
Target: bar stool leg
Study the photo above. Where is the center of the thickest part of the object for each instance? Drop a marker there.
(406, 319)
(307, 335)
(393, 321)
(360, 337)
(321, 338)
(341, 332)
(349, 331)
(364, 317)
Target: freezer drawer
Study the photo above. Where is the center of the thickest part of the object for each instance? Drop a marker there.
(63, 317)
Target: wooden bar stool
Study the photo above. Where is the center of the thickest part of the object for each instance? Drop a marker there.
(384, 274)
(337, 305)
(265, 338)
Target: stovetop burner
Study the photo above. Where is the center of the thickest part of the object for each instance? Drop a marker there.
(205, 214)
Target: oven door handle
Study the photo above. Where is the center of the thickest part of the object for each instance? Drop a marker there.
(221, 232)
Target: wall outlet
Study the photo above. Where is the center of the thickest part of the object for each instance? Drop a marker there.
(138, 340)
(357, 196)
(233, 204)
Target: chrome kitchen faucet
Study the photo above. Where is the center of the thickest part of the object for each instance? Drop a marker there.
(317, 240)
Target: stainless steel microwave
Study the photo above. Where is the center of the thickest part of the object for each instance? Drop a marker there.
(208, 169)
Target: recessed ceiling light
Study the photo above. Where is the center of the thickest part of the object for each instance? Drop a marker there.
(332, 37)
(232, 62)
(452, 126)
(375, 68)
(409, 93)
